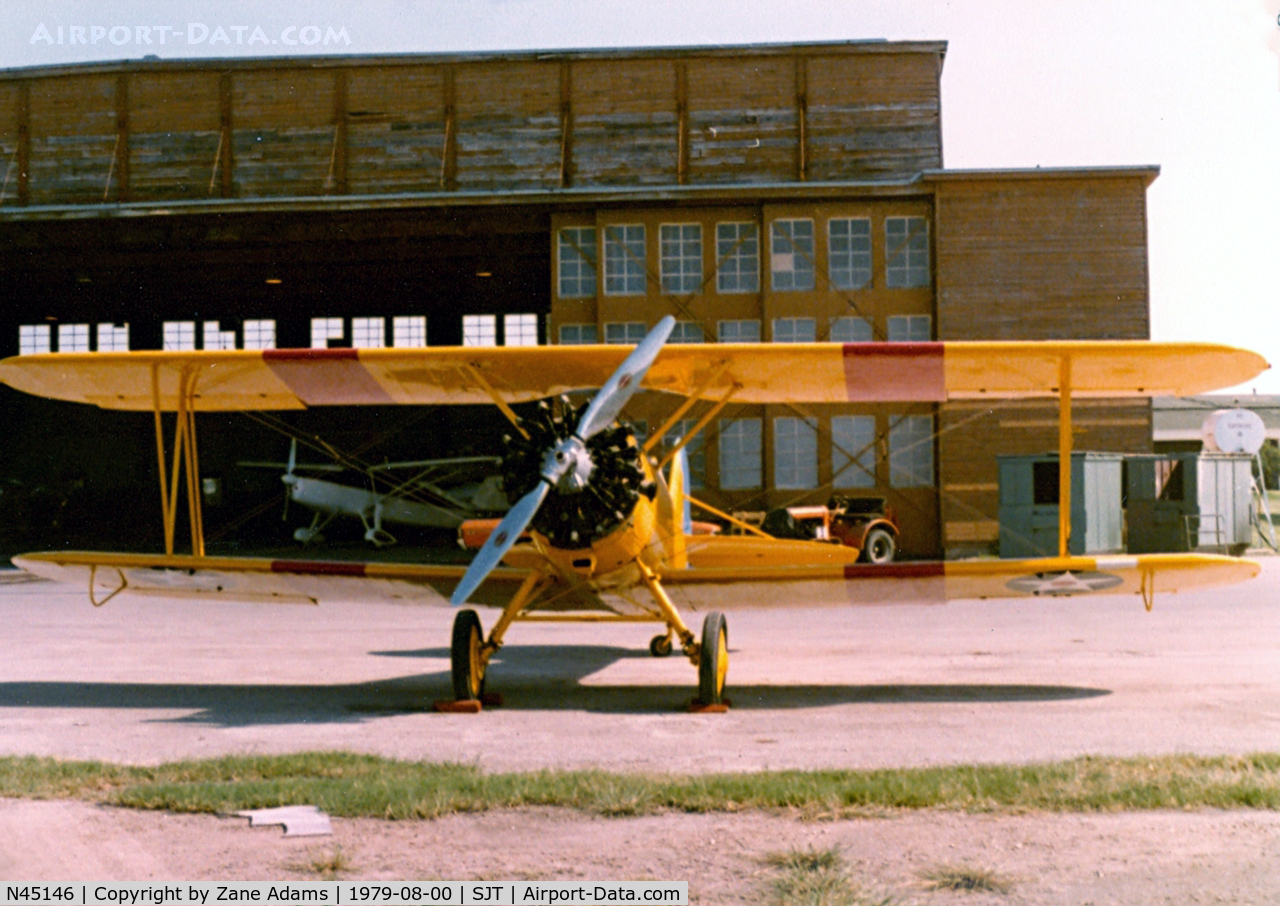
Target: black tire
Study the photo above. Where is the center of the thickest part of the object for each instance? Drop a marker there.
(468, 668)
(878, 547)
(660, 645)
(713, 659)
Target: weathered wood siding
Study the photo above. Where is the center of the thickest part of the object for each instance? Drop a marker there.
(624, 127)
(492, 123)
(72, 138)
(1029, 256)
(174, 133)
(872, 117)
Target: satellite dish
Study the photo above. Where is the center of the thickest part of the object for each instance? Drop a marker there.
(1233, 431)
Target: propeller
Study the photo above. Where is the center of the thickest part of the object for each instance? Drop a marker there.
(567, 466)
(289, 478)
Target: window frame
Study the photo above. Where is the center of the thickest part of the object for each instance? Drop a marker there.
(687, 276)
(803, 262)
(580, 327)
(906, 266)
(754, 466)
(849, 255)
(732, 281)
(480, 330)
(859, 457)
(795, 451)
(784, 330)
(620, 252)
(570, 255)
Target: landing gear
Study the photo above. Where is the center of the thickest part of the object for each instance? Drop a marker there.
(467, 657)
(713, 659)
(660, 645)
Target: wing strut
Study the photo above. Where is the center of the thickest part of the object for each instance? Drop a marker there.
(1064, 455)
(184, 453)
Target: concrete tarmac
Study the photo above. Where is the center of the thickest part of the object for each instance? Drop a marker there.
(145, 680)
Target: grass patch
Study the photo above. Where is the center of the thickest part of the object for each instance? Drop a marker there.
(327, 864)
(351, 785)
(961, 877)
(815, 878)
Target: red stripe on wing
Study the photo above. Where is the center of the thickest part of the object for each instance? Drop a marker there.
(326, 377)
(924, 570)
(894, 372)
(318, 567)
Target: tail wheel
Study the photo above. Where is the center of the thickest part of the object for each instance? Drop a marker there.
(878, 547)
(713, 659)
(660, 645)
(466, 656)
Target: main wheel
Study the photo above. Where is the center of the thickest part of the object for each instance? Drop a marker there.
(713, 660)
(878, 547)
(468, 665)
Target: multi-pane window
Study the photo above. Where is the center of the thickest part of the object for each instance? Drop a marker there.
(368, 333)
(577, 258)
(795, 453)
(791, 254)
(578, 334)
(34, 339)
(737, 258)
(212, 336)
(794, 330)
(630, 332)
(115, 338)
(325, 329)
(624, 273)
(520, 330)
(738, 331)
(853, 451)
(909, 328)
(906, 251)
(176, 336)
(686, 332)
(479, 330)
(409, 331)
(850, 330)
(849, 252)
(911, 451)
(681, 257)
(741, 453)
(259, 333)
(695, 451)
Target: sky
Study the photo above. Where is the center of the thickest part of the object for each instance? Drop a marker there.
(1192, 86)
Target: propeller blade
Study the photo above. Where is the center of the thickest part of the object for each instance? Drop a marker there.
(504, 536)
(613, 396)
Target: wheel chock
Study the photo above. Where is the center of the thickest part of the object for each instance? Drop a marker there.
(697, 707)
(466, 706)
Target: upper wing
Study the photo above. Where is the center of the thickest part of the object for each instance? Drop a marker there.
(762, 373)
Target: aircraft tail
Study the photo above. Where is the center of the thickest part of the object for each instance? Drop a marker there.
(675, 514)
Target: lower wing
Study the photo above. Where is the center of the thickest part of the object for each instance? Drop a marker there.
(733, 587)
(714, 583)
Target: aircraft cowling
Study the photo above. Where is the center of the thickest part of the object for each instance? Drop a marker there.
(629, 541)
(573, 519)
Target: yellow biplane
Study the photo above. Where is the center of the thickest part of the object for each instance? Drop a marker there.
(604, 513)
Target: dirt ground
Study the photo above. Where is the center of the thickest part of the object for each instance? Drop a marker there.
(1134, 858)
(151, 680)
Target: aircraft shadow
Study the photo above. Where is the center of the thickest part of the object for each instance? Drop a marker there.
(530, 678)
